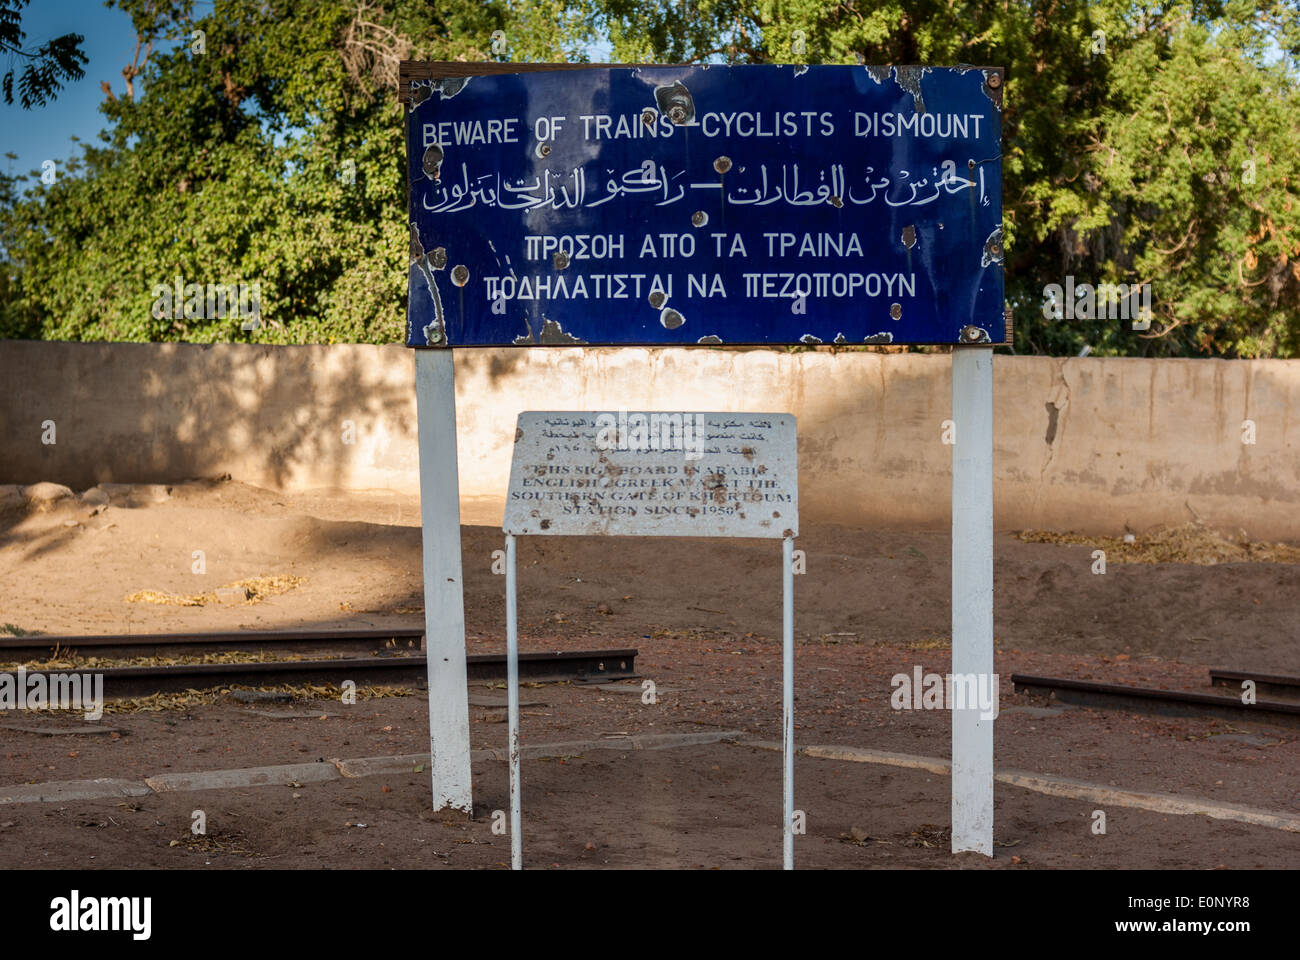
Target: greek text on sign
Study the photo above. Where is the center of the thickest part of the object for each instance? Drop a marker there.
(706, 205)
(654, 474)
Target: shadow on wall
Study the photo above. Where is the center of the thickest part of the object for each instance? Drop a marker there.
(275, 416)
(1096, 445)
(496, 365)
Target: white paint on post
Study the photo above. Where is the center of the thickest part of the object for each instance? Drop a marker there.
(972, 595)
(787, 702)
(512, 704)
(444, 601)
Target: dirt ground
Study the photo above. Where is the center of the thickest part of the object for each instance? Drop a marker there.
(705, 616)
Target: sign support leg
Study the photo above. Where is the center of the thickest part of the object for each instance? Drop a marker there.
(444, 601)
(512, 704)
(972, 597)
(787, 703)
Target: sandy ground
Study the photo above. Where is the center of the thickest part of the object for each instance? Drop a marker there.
(706, 618)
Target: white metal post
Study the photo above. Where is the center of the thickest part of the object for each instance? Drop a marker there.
(512, 704)
(787, 702)
(972, 595)
(444, 600)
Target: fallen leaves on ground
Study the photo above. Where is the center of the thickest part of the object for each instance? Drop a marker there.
(929, 835)
(255, 590)
(1192, 543)
(181, 700)
(71, 660)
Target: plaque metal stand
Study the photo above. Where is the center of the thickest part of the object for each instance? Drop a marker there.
(763, 445)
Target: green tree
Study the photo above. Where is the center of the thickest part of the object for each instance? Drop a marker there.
(46, 68)
(264, 147)
(1153, 143)
(1141, 143)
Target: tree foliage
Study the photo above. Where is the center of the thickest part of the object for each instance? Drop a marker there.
(266, 146)
(45, 69)
(1142, 143)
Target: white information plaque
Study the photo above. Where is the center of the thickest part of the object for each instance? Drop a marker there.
(654, 474)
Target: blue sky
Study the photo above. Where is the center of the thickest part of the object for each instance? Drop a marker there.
(43, 133)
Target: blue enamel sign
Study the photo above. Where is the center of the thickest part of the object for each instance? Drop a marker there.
(706, 205)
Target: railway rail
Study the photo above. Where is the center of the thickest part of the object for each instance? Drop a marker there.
(1271, 685)
(395, 658)
(111, 646)
(1179, 703)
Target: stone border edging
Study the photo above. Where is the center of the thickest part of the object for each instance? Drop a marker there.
(320, 772)
(1057, 786)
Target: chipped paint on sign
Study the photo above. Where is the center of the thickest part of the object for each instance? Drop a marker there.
(654, 473)
(766, 204)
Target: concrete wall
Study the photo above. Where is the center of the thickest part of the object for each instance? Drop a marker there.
(1091, 444)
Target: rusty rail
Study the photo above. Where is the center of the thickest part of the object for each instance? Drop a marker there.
(1270, 685)
(30, 647)
(1169, 703)
(399, 668)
